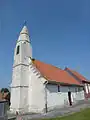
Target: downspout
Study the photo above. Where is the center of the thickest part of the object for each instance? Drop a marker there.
(46, 109)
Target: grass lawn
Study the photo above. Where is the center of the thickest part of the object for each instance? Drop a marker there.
(83, 115)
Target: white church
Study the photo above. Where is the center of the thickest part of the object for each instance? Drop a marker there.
(38, 87)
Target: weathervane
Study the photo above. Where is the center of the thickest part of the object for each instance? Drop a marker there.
(25, 23)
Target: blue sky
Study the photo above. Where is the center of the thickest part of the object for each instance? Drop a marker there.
(59, 30)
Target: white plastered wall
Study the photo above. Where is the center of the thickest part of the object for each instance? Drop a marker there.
(19, 89)
(59, 99)
(15, 99)
(36, 93)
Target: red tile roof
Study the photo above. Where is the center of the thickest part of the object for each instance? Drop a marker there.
(53, 73)
(78, 75)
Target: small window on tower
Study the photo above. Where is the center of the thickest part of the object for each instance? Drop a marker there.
(18, 47)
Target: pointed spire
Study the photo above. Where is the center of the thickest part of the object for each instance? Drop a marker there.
(24, 30)
(24, 34)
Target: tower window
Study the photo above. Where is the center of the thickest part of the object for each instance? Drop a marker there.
(18, 48)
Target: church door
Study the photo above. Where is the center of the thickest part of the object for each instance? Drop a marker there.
(69, 98)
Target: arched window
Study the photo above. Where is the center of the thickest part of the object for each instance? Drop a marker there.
(18, 48)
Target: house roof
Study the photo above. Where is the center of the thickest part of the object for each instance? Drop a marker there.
(78, 75)
(55, 74)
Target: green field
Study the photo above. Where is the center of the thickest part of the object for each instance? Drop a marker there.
(82, 115)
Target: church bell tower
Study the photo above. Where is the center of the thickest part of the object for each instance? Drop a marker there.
(20, 74)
